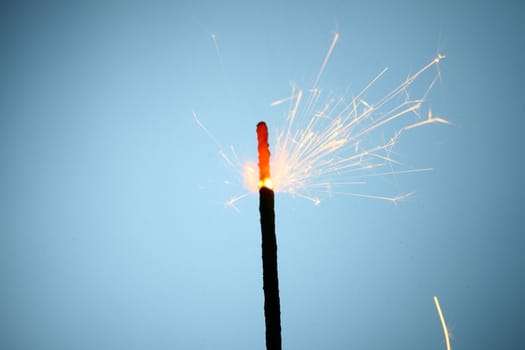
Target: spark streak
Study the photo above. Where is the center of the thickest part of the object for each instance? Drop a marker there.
(213, 37)
(327, 57)
(443, 323)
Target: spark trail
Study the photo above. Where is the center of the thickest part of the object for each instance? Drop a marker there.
(330, 144)
(443, 323)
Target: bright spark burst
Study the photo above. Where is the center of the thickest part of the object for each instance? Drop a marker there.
(329, 144)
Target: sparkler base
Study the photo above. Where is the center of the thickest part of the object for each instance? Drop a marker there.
(272, 307)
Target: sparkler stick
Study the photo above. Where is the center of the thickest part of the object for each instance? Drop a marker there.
(272, 308)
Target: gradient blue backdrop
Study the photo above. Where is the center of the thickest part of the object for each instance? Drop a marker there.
(113, 232)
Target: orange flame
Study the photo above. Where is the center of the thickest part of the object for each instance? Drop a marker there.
(264, 156)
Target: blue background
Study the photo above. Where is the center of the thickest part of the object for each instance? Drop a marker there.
(113, 230)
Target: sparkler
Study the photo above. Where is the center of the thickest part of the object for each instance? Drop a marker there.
(272, 308)
(326, 145)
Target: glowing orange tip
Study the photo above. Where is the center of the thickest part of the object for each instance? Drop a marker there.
(264, 156)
